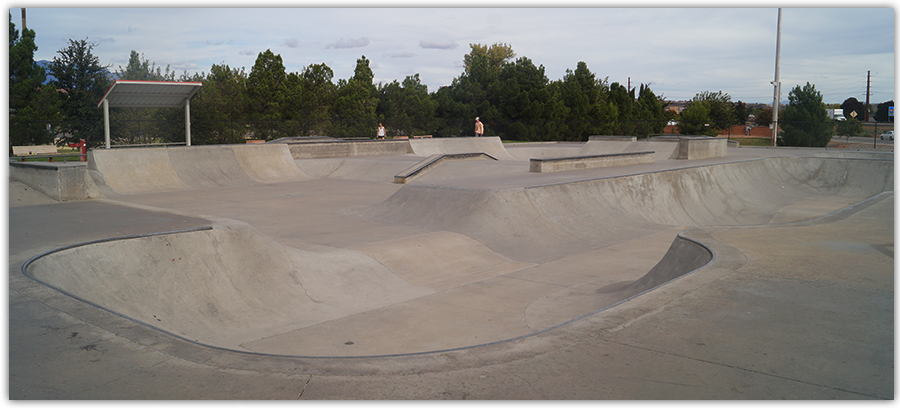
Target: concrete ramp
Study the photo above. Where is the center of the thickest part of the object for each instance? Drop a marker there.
(147, 170)
(542, 223)
(489, 145)
(129, 171)
(271, 163)
(208, 166)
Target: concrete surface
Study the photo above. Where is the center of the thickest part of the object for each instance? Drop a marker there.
(495, 282)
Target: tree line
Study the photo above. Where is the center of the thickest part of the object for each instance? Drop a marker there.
(511, 95)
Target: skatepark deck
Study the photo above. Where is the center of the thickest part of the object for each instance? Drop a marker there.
(312, 259)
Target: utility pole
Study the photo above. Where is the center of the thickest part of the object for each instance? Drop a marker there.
(23, 19)
(868, 80)
(777, 82)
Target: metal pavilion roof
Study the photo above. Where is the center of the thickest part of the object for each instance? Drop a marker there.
(150, 94)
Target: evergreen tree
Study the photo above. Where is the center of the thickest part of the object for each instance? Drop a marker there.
(81, 82)
(140, 68)
(649, 113)
(265, 87)
(318, 93)
(31, 103)
(623, 100)
(217, 110)
(805, 123)
(524, 95)
(356, 103)
(585, 106)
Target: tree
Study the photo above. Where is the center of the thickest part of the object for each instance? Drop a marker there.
(217, 109)
(852, 105)
(523, 99)
(317, 96)
(696, 120)
(496, 55)
(356, 102)
(408, 104)
(721, 109)
(848, 128)
(649, 113)
(585, 105)
(805, 122)
(265, 87)
(82, 82)
(140, 68)
(764, 117)
(882, 113)
(31, 103)
(621, 99)
(741, 113)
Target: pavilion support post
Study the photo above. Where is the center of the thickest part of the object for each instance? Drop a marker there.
(187, 122)
(106, 121)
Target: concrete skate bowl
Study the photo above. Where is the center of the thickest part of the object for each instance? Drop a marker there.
(234, 288)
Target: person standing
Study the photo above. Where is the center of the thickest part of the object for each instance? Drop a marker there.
(380, 134)
(479, 127)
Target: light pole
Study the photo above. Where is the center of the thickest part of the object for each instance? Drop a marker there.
(777, 82)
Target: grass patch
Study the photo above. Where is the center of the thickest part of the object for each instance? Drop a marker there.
(753, 141)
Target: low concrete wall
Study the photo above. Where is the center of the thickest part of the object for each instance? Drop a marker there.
(591, 162)
(330, 149)
(60, 181)
(702, 148)
(612, 138)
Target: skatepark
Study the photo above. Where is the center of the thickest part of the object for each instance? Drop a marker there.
(452, 268)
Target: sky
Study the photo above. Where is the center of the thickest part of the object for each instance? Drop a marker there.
(678, 49)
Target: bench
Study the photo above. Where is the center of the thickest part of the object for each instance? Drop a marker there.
(35, 150)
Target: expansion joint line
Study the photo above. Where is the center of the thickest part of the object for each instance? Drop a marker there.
(304, 387)
(742, 369)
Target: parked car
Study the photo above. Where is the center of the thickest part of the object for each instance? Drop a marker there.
(887, 135)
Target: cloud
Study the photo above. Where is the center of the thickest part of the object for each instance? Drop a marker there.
(438, 44)
(349, 43)
(292, 43)
(217, 42)
(247, 52)
(399, 54)
(105, 40)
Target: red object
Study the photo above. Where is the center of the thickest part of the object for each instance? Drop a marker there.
(83, 146)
